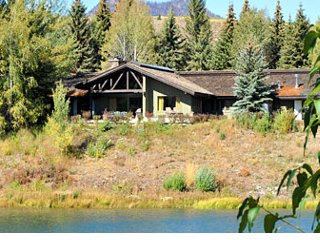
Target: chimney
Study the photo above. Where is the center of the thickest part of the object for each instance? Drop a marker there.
(297, 84)
(116, 62)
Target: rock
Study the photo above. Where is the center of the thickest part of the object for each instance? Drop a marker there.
(244, 173)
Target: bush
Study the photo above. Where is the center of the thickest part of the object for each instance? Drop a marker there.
(264, 124)
(247, 120)
(176, 182)
(206, 180)
(106, 126)
(124, 129)
(222, 135)
(284, 121)
(97, 149)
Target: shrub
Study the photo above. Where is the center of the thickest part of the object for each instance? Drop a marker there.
(206, 180)
(247, 120)
(97, 149)
(284, 121)
(106, 126)
(124, 129)
(58, 126)
(176, 182)
(264, 124)
(222, 136)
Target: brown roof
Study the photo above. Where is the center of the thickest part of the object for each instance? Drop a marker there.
(217, 83)
(163, 75)
(221, 83)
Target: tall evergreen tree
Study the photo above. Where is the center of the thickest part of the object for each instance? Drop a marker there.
(302, 25)
(171, 45)
(102, 25)
(276, 38)
(292, 54)
(199, 39)
(222, 54)
(250, 89)
(288, 52)
(245, 8)
(83, 41)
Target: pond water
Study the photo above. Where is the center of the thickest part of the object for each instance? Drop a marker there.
(128, 221)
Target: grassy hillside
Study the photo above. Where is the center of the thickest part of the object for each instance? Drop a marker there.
(141, 157)
(216, 25)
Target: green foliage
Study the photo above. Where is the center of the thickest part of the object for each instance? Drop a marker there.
(131, 35)
(176, 182)
(222, 136)
(276, 38)
(199, 37)
(58, 126)
(222, 54)
(252, 26)
(101, 26)
(264, 124)
(97, 148)
(124, 129)
(292, 54)
(284, 121)
(83, 50)
(307, 180)
(106, 126)
(249, 88)
(29, 65)
(171, 45)
(205, 180)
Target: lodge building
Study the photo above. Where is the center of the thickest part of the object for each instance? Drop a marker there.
(149, 89)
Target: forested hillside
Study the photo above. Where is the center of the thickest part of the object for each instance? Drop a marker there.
(180, 8)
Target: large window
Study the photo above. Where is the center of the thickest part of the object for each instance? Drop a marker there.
(167, 102)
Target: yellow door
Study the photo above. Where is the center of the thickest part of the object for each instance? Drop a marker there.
(160, 104)
(178, 104)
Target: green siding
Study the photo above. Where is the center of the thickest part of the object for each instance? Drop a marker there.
(157, 89)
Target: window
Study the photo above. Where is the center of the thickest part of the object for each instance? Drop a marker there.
(166, 102)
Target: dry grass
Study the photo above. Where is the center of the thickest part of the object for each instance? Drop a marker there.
(245, 162)
(190, 174)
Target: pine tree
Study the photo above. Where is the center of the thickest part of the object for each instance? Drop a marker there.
(222, 54)
(249, 84)
(292, 55)
(171, 45)
(276, 38)
(245, 8)
(199, 39)
(302, 25)
(83, 42)
(102, 25)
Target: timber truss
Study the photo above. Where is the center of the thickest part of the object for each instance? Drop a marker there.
(126, 81)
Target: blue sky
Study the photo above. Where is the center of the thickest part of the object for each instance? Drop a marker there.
(220, 6)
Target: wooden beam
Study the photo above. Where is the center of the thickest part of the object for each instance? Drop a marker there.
(94, 86)
(136, 78)
(119, 91)
(128, 83)
(111, 82)
(118, 80)
(104, 84)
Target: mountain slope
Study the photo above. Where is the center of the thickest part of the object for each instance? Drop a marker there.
(180, 7)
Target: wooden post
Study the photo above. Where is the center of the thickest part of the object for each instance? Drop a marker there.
(144, 96)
